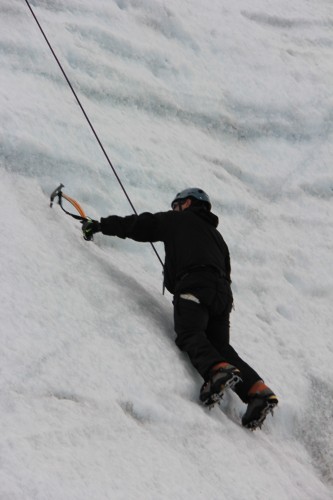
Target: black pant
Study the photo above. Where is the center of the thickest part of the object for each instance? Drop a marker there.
(203, 329)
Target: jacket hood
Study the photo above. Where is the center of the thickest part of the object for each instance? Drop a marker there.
(205, 215)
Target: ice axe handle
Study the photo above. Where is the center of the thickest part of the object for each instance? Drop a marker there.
(55, 193)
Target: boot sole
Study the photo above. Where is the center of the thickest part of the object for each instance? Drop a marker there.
(216, 397)
(257, 423)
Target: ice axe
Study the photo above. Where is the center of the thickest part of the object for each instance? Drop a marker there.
(58, 193)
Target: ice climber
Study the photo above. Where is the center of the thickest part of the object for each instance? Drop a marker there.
(197, 273)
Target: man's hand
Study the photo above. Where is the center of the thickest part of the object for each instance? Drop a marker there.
(89, 228)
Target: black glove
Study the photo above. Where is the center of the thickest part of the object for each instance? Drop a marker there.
(89, 228)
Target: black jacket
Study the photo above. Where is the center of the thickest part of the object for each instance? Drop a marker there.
(190, 239)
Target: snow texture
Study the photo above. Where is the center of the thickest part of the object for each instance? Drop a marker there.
(237, 98)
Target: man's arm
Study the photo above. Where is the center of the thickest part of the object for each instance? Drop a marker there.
(143, 227)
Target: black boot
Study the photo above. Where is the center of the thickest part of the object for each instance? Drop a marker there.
(222, 375)
(262, 401)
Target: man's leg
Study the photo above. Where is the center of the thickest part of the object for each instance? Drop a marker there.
(218, 333)
(191, 321)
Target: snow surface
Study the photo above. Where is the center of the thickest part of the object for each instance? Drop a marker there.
(235, 97)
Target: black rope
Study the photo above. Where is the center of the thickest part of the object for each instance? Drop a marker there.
(88, 120)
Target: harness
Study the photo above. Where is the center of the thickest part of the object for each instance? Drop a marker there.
(202, 268)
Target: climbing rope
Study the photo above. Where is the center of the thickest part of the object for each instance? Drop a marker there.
(87, 118)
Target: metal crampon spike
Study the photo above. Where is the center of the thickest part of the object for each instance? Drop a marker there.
(217, 397)
(257, 424)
